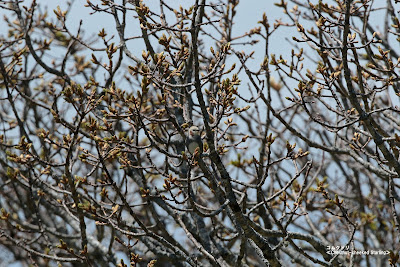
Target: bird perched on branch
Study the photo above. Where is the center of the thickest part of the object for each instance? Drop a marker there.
(193, 140)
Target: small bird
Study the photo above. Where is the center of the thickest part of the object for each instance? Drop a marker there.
(193, 140)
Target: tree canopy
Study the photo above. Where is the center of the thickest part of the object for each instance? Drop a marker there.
(299, 162)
